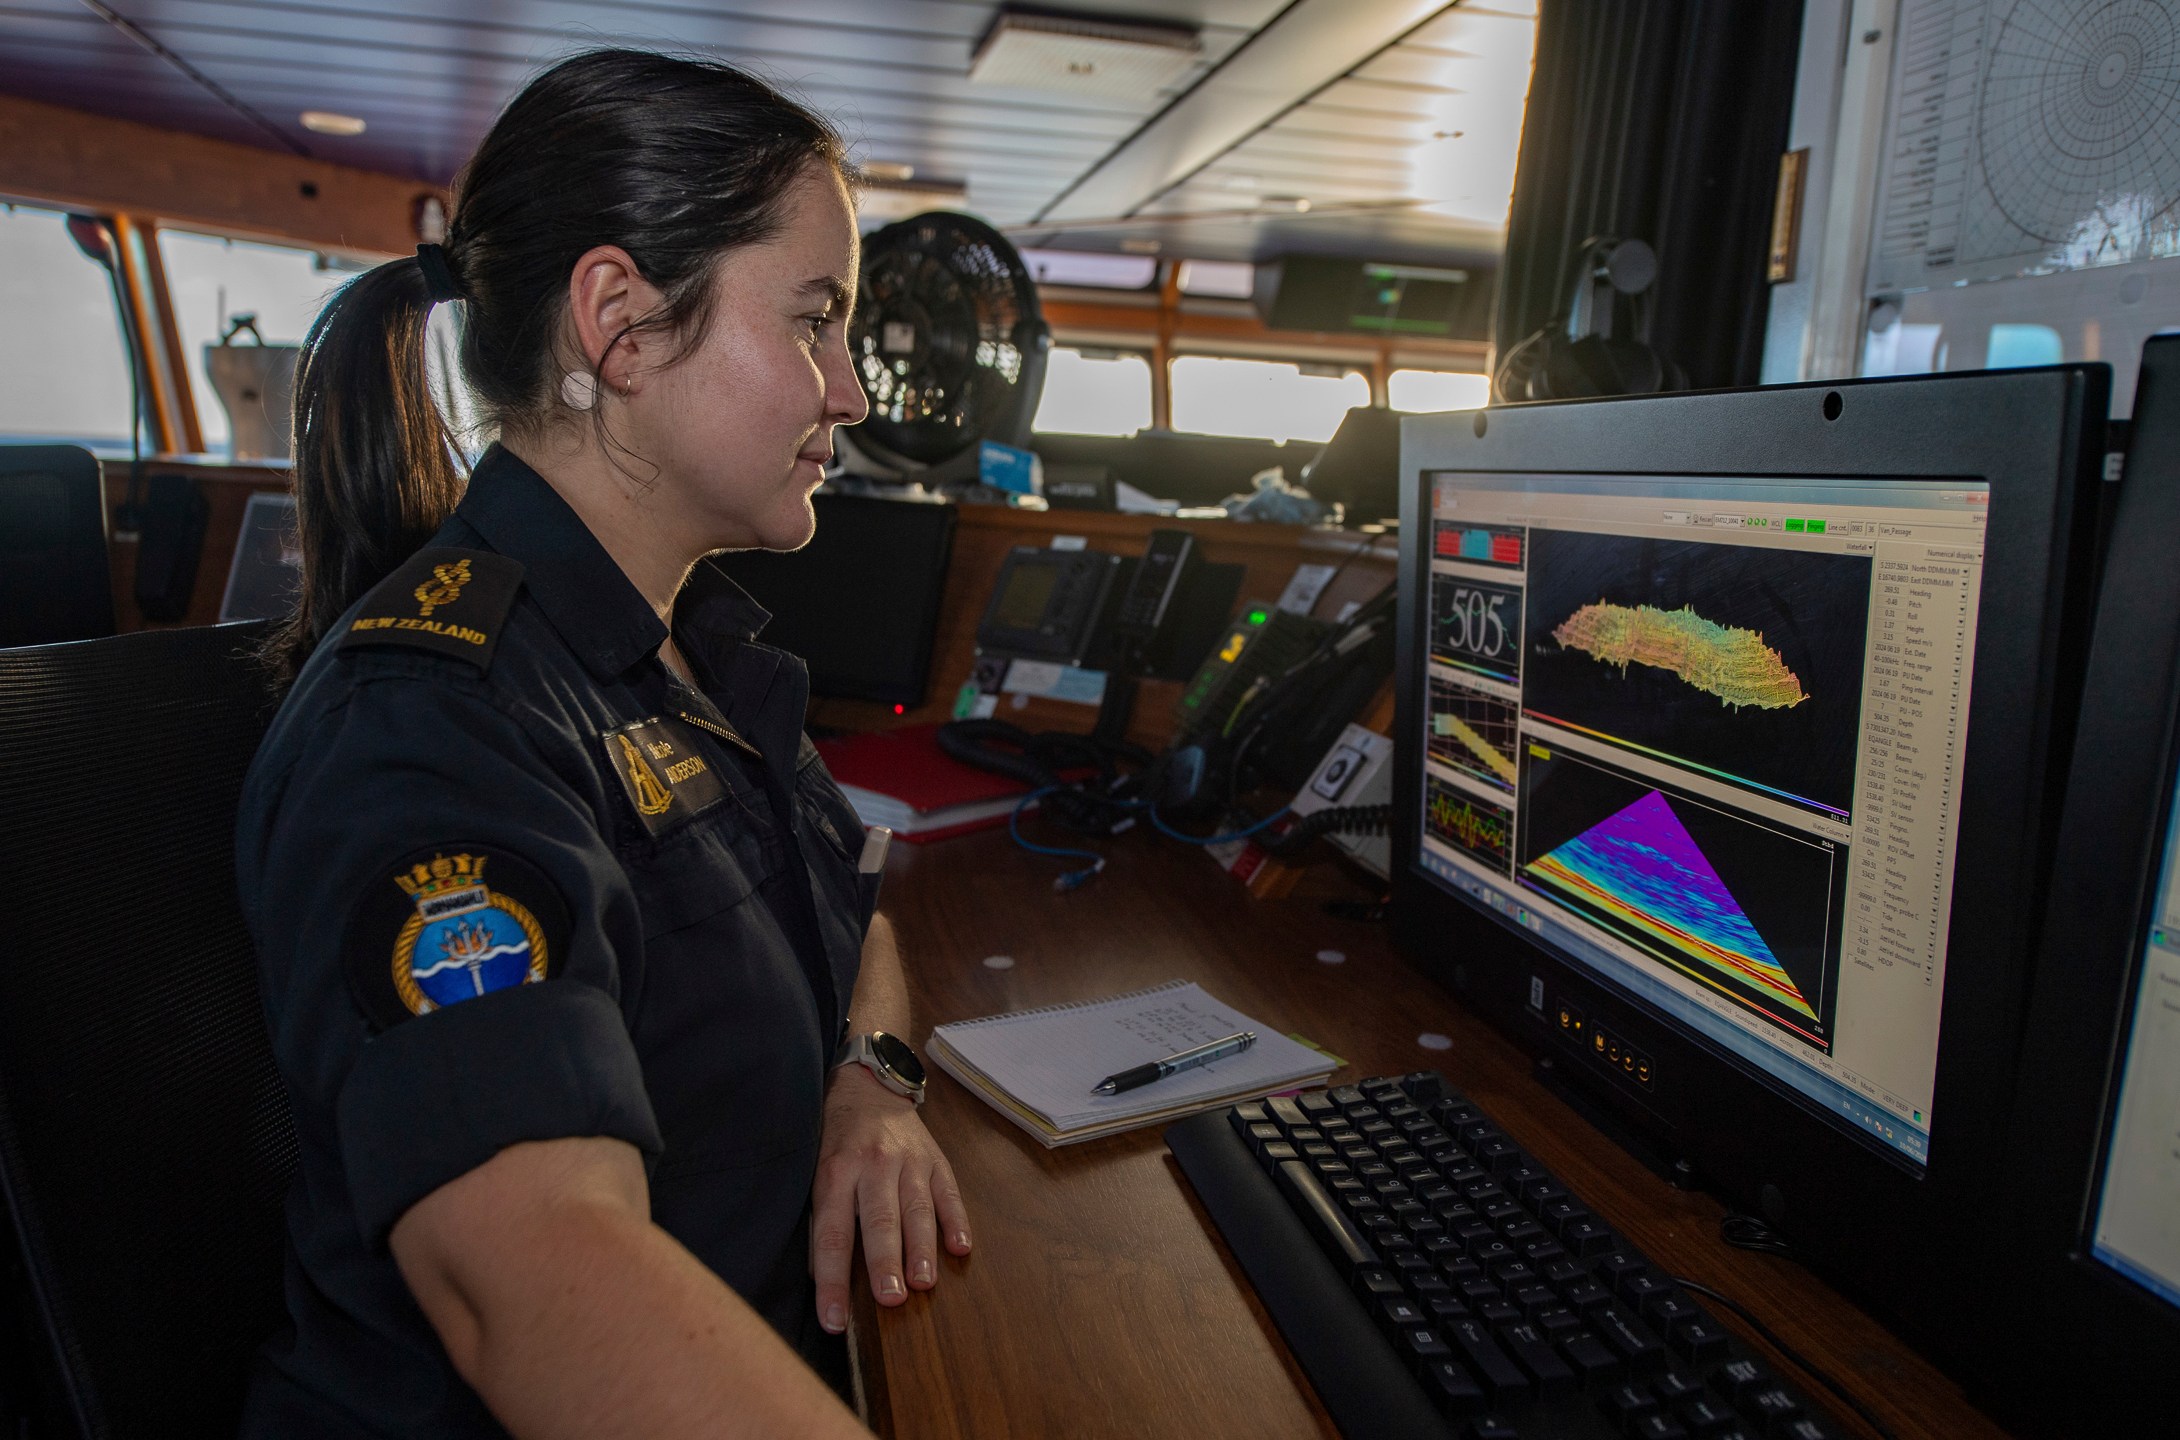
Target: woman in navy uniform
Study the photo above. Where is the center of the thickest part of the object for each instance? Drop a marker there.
(562, 922)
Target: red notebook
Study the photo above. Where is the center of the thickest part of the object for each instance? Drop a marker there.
(902, 779)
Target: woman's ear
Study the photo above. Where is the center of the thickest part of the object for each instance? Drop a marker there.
(607, 295)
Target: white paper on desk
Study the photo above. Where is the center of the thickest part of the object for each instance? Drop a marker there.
(1050, 1059)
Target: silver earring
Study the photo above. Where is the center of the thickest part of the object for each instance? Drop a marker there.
(579, 390)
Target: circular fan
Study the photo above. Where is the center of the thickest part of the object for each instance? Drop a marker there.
(948, 341)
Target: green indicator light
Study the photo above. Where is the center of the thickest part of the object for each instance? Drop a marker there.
(1793, 524)
(1816, 527)
(1258, 617)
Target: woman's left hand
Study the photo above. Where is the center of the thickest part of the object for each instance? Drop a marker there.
(876, 1160)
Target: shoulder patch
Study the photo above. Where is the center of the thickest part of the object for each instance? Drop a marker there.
(450, 923)
(450, 601)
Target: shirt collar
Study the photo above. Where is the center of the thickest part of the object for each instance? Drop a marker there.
(581, 588)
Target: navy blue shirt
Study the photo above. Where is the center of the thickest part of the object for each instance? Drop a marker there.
(511, 880)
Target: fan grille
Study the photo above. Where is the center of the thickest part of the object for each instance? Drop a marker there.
(945, 310)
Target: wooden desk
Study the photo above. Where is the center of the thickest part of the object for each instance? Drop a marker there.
(1098, 1302)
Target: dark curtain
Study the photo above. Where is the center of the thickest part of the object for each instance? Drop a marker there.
(1658, 120)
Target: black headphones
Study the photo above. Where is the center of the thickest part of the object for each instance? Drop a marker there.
(1575, 355)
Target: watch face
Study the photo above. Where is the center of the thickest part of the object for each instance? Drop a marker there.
(895, 1055)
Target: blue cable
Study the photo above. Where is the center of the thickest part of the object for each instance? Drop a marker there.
(1168, 830)
(1072, 878)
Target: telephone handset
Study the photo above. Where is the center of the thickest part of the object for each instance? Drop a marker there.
(1158, 577)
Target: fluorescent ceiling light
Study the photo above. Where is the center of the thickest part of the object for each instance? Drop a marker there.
(1083, 54)
(328, 122)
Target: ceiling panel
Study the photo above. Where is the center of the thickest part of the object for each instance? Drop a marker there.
(429, 76)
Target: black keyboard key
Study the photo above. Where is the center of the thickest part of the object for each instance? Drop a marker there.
(1478, 1290)
(1737, 1378)
(1339, 1235)
(1587, 1237)
(1243, 1116)
(1657, 1425)
(1443, 1308)
(1641, 1290)
(1473, 1343)
(1535, 1299)
(1424, 1086)
(1541, 1253)
(1498, 1312)
(1675, 1386)
(1542, 1192)
(1565, 1272)
(1700, 1340)
(1345, 1096)
(1535, 1355)
(1706, 1417)
(1773, 1407)
(1380, 1087)
(1421, 1345)
(1556, 1323)
(1375, 1283)
(1588, 1357)
(1803, 1428)
(1624, 1404)
(1613, 1269)
(1584, 1294)
(1398, 1312)
(1490, 1427)
(1410, 1263)
(1452, 1388)
(1668, 1310)
(1498, 1156)
(1426, 1285)
(1522, 1231)
(1624, 1333)
(1262, 1135)
(1557, 1215)
(1319, 1106)
(1398, 1111)
(1286, 1114)
(1276, 1153)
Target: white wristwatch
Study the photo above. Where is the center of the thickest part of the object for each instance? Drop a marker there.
(889, 1058)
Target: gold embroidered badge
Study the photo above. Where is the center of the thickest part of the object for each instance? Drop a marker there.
(444, 587)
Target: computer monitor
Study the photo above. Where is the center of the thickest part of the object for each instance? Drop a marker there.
(2091, 1321)
(860, 602)
(1729, 733)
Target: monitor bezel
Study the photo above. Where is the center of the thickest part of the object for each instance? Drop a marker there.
(2036, 438)
(2077, 1326)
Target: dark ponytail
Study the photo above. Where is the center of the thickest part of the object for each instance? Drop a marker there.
(676, 161)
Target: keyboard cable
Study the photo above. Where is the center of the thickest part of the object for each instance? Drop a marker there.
(1793, 1357)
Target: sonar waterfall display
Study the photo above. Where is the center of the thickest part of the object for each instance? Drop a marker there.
(1748, 908)
(1739, 661)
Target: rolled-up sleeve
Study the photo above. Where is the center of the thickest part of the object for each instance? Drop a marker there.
(418, 797)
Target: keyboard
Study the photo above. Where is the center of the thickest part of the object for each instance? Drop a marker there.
(1436, 1282)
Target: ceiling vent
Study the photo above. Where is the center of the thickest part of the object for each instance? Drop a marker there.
(1083, 54)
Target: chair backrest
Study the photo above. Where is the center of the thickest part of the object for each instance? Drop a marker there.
(54, 581)
(145, 1137)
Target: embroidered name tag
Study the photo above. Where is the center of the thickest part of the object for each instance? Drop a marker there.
(664, 775)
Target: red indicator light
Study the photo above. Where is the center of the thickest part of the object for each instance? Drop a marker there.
(900, 709)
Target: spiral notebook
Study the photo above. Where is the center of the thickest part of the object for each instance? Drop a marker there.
(1038, 1067)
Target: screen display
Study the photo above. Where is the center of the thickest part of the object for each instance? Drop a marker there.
(1029, 588)
(1703, 739)
(2138, 1210)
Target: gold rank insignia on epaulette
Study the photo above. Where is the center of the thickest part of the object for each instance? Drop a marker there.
(450, 601)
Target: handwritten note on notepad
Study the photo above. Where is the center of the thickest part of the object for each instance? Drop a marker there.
(1037, 1067)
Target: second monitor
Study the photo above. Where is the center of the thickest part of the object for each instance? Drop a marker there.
(1730, 732)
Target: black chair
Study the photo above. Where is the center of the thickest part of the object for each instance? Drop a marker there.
(54, 581)
(145, 1138)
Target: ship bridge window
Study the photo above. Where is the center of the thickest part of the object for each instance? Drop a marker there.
(1094, 392)
(64, 373)
(1423, 391)
(1267, 399)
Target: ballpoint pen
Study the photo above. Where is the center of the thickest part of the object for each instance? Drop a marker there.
(1186, 1060)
